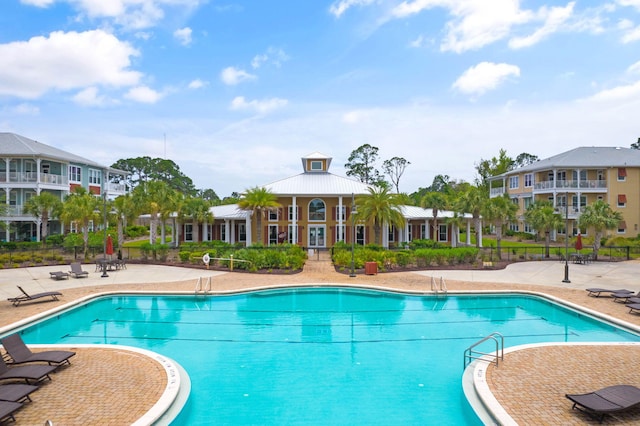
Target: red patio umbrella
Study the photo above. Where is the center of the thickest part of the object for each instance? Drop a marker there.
(579, 242)
(109, 249)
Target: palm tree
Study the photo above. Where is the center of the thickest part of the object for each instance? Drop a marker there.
(151, 197)
(381, 206)
(172, 203)
(259, 200)
(599, 216)
(44, 207)
(81, 206)
(472, 201)
(499, 211)
(127, 211)
(436, 201)
(543, 218)
(197, 209)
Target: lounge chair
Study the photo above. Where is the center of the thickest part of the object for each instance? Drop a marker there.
(7, 408)
(36, 373)
(633, 307)
(597, 291)
(59, 275)
(625, 297)
(16, 392)
(611, 399)
(76, 270)
(26, 297)
(20, 353)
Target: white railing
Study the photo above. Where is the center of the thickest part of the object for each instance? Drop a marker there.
(495, 192)
(571, 184)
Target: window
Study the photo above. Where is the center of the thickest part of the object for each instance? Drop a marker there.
(292, 213)
(188, 232)
(442, 232)
(341, 214)
(242, 232)
(316, 165)
(622, 200)
(90, 226)
(223, 232)
(528, 228)
(562, 175)
(75, 174)
(317, 210)
(574, 202)
(293, 234)
(360, 238)
(514, 182)
(513, 226)
(73, 227)
(515, 201)
(527, 202)
(622, 227)
(392, 233)
(600, 174)
(622, 174)
(273, 215)
(340, 229)
(562, 201)
(528, 180)
(423, 231)
(273, 234)
(95, 177)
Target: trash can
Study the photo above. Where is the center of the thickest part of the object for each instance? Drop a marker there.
(371, 268)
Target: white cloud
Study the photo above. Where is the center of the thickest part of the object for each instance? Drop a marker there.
(418, 42)
(339, 7)
(26, 109)
(554, 18)
(629, 92)
(65, 61)
(90, 97)
(634, 68)
(261, 107)
(232, 76)
(484, 77)
(197, 84)
(183, 35)
(38, 3)
(632, 3)
(631, 35)
(143, 94)
(273, 56)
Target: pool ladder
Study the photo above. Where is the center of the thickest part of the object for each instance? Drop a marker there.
(203, 286)
(472, 353)
(438, 286)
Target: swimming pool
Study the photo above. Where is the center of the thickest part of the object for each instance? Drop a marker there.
(321, 355)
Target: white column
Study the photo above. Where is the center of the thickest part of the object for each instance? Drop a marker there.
(294, 220)
(233, 231)
(427, 230)
(480, 235)
(227, 231)
(340, 222)
(247, 222)
(468, 241)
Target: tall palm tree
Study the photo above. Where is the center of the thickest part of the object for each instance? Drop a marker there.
(599, 216)
(44, 206)
(543, 218)
(381, 206)
(436, 201)
(259, 200)
(197, 209)
(472, 201)
(151, 196)
(499, 211)
(127, 211)
(81, 206)
(172, 203)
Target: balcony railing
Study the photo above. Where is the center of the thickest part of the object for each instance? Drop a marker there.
(32, 177)
(571, 184)
(117, 187)
(495, 192)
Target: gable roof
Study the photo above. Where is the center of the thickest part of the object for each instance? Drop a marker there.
(317, 184)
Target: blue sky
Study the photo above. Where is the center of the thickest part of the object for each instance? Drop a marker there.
(236, 92)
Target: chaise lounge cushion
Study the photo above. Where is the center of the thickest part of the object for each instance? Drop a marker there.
(606, 400)
(20, 353)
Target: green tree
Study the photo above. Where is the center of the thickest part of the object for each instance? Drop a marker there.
(599, 216)
(636, 145)
(259, 200)
(81, 206)
(197, 209)
(153, 197)
(394, 168)
(44, 207)
(437, 202)
(493, 167)
(147, 169)
(209, 195)
(472, 200)
(361, 165)
(499, 211)
(524, 159)
(126, 211)
(381, 207)
(543, 218)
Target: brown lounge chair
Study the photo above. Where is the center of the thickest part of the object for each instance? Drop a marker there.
(597, 291)
(37, 373)
(26, 297)
(625, 297)
(7, 409)
(16, 392)
(633, 308)
(76, 270)
(20, 353)
(611, 399)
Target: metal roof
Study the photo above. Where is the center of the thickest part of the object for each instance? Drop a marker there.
(585, 157)
(317, 184)
(414, 212)
(229, 211)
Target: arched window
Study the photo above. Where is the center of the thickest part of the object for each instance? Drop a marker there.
(317, 210)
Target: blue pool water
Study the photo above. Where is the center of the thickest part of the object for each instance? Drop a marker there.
(321, 355)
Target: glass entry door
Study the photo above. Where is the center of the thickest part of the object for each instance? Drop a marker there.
(316, 236)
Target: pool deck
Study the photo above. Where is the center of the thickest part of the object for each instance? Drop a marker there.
(529, 385)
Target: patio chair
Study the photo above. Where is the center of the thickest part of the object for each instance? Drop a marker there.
(634, 308)
(625, 297)
(597, 291)
(7, 408)
(611, 399)
(20, 353)
(16, 392)
(26, 297)
(76, 270)
(59, 275)
(36, 373)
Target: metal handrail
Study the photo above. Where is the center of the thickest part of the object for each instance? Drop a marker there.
(471, 354)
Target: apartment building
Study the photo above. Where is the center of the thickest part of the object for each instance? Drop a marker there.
(28, 167)
(574, 179)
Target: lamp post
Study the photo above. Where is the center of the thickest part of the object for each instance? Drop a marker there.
(566, 239)
(352, 274)
(104, 242)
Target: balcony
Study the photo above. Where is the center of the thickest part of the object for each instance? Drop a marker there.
(583, 185)
(496, 192)
(116, 189)
(32, 178)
